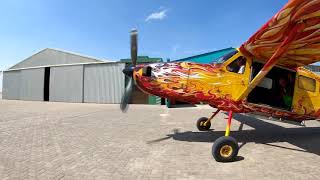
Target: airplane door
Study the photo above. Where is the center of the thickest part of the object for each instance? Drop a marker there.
(236, 76)
(306, 98)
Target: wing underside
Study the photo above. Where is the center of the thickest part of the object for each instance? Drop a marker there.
(303, 48)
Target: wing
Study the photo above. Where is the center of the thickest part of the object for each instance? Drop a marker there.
(302, 49)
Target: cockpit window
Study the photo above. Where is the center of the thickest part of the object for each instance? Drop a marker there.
(226, 57)
(238, 65)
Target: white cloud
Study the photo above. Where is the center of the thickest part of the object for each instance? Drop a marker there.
(161, 14)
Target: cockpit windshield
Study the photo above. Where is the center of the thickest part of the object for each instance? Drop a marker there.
(222, 59)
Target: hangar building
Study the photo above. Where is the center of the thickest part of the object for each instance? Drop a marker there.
(60, 76)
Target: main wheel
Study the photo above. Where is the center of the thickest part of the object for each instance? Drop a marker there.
(225, 149)
(202, 125)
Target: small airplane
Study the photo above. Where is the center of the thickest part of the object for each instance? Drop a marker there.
(265, 76)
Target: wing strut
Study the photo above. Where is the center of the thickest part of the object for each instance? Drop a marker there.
(273, 60)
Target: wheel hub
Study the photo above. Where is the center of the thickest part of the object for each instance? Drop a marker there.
(226, 151)
(203, 123)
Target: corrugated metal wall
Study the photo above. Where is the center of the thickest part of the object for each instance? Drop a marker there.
(31, 85)
(103, 83)
(11, 85)
(66, 84)
(1, 82)
(92, 83)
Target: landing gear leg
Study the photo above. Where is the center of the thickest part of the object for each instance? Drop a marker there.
(225, 148)
(204, 123)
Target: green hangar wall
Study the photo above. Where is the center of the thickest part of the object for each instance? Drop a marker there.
(206, 58)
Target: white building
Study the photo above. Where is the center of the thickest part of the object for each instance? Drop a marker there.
(55, 75)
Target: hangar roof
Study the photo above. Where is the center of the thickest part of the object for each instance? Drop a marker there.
(52, 57)
(143, 59)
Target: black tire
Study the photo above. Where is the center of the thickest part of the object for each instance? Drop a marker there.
(201, 126)
(221, 149)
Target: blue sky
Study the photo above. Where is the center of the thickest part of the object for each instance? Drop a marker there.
(100, 28)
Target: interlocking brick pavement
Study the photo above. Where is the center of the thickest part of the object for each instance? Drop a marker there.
(40, 140)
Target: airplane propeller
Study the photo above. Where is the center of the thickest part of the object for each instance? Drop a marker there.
(128, 71)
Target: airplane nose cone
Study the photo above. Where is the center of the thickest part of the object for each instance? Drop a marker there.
(128, 71)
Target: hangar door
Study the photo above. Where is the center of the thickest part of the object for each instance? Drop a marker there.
(66, 84)
(103, 83)
(11, 85)
(31, 85)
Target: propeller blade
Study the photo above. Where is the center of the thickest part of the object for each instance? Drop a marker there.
(134, 46)
(127, 95)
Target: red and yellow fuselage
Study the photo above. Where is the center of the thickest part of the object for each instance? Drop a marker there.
(215, 85)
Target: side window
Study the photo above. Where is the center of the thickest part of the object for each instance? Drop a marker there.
(238, 65)
(307, 84)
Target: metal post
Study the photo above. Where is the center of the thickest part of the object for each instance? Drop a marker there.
(212, 116)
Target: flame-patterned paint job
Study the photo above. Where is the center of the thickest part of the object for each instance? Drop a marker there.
(213, 84)
(303, 48)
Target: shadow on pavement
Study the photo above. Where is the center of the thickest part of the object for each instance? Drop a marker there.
(306, 138)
